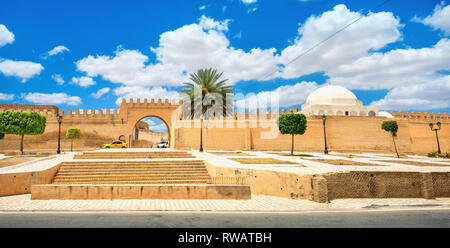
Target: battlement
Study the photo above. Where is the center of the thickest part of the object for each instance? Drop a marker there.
(420, 115)
(149, 102)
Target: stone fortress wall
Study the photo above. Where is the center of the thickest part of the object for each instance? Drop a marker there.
(245, 131)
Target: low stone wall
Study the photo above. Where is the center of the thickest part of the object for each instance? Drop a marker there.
(330, 186)
(84, 192)
(364, 184)
(20, 183)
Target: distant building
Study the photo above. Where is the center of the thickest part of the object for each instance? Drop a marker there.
(336, 100)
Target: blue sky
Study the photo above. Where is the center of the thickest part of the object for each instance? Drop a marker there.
(88, 55)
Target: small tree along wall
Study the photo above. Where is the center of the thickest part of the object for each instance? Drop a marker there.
(73, 133)
(22, 123)
(392, 127)
(292, 124)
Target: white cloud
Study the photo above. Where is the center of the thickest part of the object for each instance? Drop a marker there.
(6, 97)
(100, 92)
(152, 125)
(429, 95)
(205, 45)
(287, 95)
(57, 50)
(439, 19)
(58, 78)
(249, 1)
(394, 68)
(21, 69)
(202, 7)
(371, 32)
(5, 36)
(135, 92)
(128, 67)
(83, 81)
(182, 51)
(55, 98)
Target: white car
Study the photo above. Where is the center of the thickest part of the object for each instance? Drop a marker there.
(163, 144)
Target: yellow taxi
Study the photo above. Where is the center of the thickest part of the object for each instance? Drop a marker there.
(116, 144)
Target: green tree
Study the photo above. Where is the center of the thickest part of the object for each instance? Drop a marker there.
(392, 127)
(292, 124)
(205, 82)
(22, 123)
(72, 134)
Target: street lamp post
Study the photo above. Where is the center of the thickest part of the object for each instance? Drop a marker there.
(324, 117)
(438, 124)
(201, 135)
(59, 118)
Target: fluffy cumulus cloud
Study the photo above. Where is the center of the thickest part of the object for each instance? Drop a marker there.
(284, 96)
(394, 68)
(58, 49)
(439, 19)
(100, 92)
(129, 67)
(135, 92)
(430, 95)
(58, 78)
(370, 32)
(206, 45)
(23, 70)
(6, 36)
(54, 98)
(152, 125)
(249, 1)
(6, 97)
(184, 50)
(83, 81)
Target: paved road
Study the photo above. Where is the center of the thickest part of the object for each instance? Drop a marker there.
(360, 218)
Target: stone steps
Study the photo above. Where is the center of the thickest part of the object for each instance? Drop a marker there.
(131, 155)
(132, 172)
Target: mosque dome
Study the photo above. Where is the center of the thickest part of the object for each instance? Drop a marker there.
(332, 95)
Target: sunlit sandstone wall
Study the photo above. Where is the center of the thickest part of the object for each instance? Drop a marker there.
(344, 133)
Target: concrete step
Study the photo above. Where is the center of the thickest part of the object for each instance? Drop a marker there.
(191, 181)
(130, 176)
(144, 191)
(141, 171)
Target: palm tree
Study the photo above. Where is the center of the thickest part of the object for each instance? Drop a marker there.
(206, 81)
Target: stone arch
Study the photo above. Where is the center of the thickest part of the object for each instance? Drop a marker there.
(340, 113)
(362, 113)
(321, 112)
(135, 131)
(134, 111)
(353, 113)
(330, 112)
(372, 113)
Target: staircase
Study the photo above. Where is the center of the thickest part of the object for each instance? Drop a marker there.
(132, 155)
(119, 175)
(133, 172)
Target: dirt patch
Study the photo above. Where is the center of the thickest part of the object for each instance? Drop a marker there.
(240, 154)
(344, 162)
(261, 161)
(295, 155)
(17, 160)
(349, 156)
(414, 163)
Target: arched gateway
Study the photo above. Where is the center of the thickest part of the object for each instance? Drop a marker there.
(134, 111)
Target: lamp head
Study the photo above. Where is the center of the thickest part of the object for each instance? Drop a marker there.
(431, 126)
(438, 124)
(324, 117)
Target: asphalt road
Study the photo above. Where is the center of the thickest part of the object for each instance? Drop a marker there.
(354, 219)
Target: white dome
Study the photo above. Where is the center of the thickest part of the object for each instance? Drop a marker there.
(385, 114)
(332, 95)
